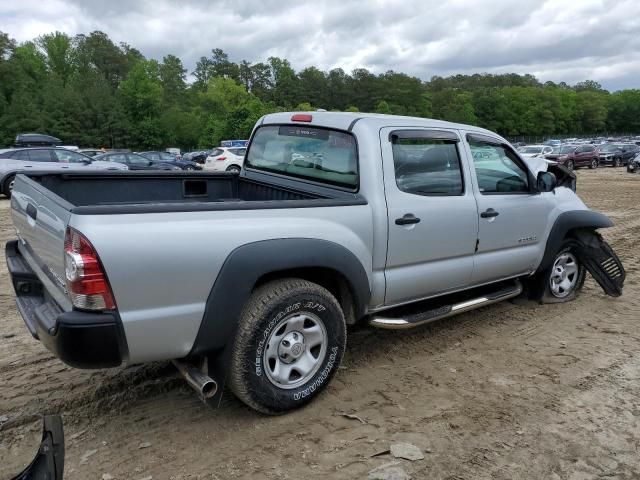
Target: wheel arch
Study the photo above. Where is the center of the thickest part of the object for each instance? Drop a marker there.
(564, 225)
(327, 263)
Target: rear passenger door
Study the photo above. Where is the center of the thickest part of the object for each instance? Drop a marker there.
(42, 158)
(432, 214)
(513, 217)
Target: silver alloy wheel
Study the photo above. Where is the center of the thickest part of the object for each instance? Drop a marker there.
(295, 350)
(13, 180)
(564, 275)
(594, 164)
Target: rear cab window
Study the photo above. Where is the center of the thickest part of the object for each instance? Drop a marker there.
(310, 153)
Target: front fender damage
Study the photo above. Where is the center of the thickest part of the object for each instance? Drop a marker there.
(600, 260)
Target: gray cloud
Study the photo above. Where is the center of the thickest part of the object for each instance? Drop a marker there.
(554, 40)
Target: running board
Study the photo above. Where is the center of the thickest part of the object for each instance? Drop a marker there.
(444, 311)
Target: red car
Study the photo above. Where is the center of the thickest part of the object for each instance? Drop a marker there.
(574, 156)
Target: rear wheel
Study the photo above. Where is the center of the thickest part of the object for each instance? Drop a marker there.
(593, 164)
(617, 162)
(7, 186)
(233, 168)
(290, 341)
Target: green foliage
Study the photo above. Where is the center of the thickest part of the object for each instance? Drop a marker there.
(88, 90)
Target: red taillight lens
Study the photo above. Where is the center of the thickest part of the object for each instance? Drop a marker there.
(221, 158)
(86, 281)
(301, 117)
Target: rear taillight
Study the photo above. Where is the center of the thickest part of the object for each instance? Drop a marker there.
(220, 159)
(86, 281)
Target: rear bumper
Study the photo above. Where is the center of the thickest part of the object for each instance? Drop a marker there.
(80, 339)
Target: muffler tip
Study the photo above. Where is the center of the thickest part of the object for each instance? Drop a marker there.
(209, 389)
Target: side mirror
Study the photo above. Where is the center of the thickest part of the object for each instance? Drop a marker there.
(546, 182)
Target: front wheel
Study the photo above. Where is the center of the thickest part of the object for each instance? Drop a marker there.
(617, 162)
(7, 187)
(593, 164)
(290, 341)
(562, 281)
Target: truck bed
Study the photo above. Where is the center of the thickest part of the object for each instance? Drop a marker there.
(145, 192)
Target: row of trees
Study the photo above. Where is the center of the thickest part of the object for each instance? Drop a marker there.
(90, 91)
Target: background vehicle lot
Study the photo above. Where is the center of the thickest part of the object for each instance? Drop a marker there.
(508, 391)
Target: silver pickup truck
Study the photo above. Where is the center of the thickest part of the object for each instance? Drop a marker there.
(336, 218)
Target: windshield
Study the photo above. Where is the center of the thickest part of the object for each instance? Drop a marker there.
(565, 149)
(318, 154)
(609, 148)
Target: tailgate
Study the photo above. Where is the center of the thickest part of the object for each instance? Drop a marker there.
(40, 218)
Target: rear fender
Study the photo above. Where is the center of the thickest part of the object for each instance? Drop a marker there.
(248, 263)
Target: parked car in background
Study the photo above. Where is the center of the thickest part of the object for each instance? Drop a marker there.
(610, 154)
(166, 157)
(16, 160)
(552, 142)
(199, 156)
(573, 156)
(136, 162)
(634, 164)
(535, 150)
(174, 151)
(226, 159)
(629, 152)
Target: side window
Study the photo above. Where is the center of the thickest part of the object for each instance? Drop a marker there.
(137, 159)
(67, 156)
(498, 170)
(41, 156)
(19, 155)
(425, 166)
(217, 152)
(118, 157)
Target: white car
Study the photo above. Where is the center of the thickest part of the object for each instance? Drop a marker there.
(535, 151)
(225, 159)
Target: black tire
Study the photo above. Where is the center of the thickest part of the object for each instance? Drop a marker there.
(234, 169)
(6, 186)
(617, 162)
(539, 285)
(593, 164)
(269, 306)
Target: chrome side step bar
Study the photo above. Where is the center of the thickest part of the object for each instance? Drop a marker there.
(428, 316)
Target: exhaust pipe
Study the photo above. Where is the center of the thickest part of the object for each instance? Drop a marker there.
(197, 379)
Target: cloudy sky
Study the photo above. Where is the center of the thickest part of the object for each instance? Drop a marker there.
(559, 40)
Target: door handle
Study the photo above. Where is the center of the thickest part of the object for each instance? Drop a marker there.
(489, 213)
(407, 219)
(32, 211)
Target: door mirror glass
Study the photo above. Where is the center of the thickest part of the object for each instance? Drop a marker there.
(546, 182)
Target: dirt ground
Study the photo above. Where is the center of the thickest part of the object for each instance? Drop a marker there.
(506, 392)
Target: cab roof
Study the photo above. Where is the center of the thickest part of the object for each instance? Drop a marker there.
(348, 120)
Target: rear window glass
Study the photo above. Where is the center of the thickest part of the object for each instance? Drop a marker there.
(318, 154)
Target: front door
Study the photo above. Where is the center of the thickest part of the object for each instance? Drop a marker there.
(432, 214)
(513, 217)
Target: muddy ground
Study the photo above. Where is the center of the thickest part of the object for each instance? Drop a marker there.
(508, 391)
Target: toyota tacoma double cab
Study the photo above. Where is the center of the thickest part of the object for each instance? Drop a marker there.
(334, 219)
